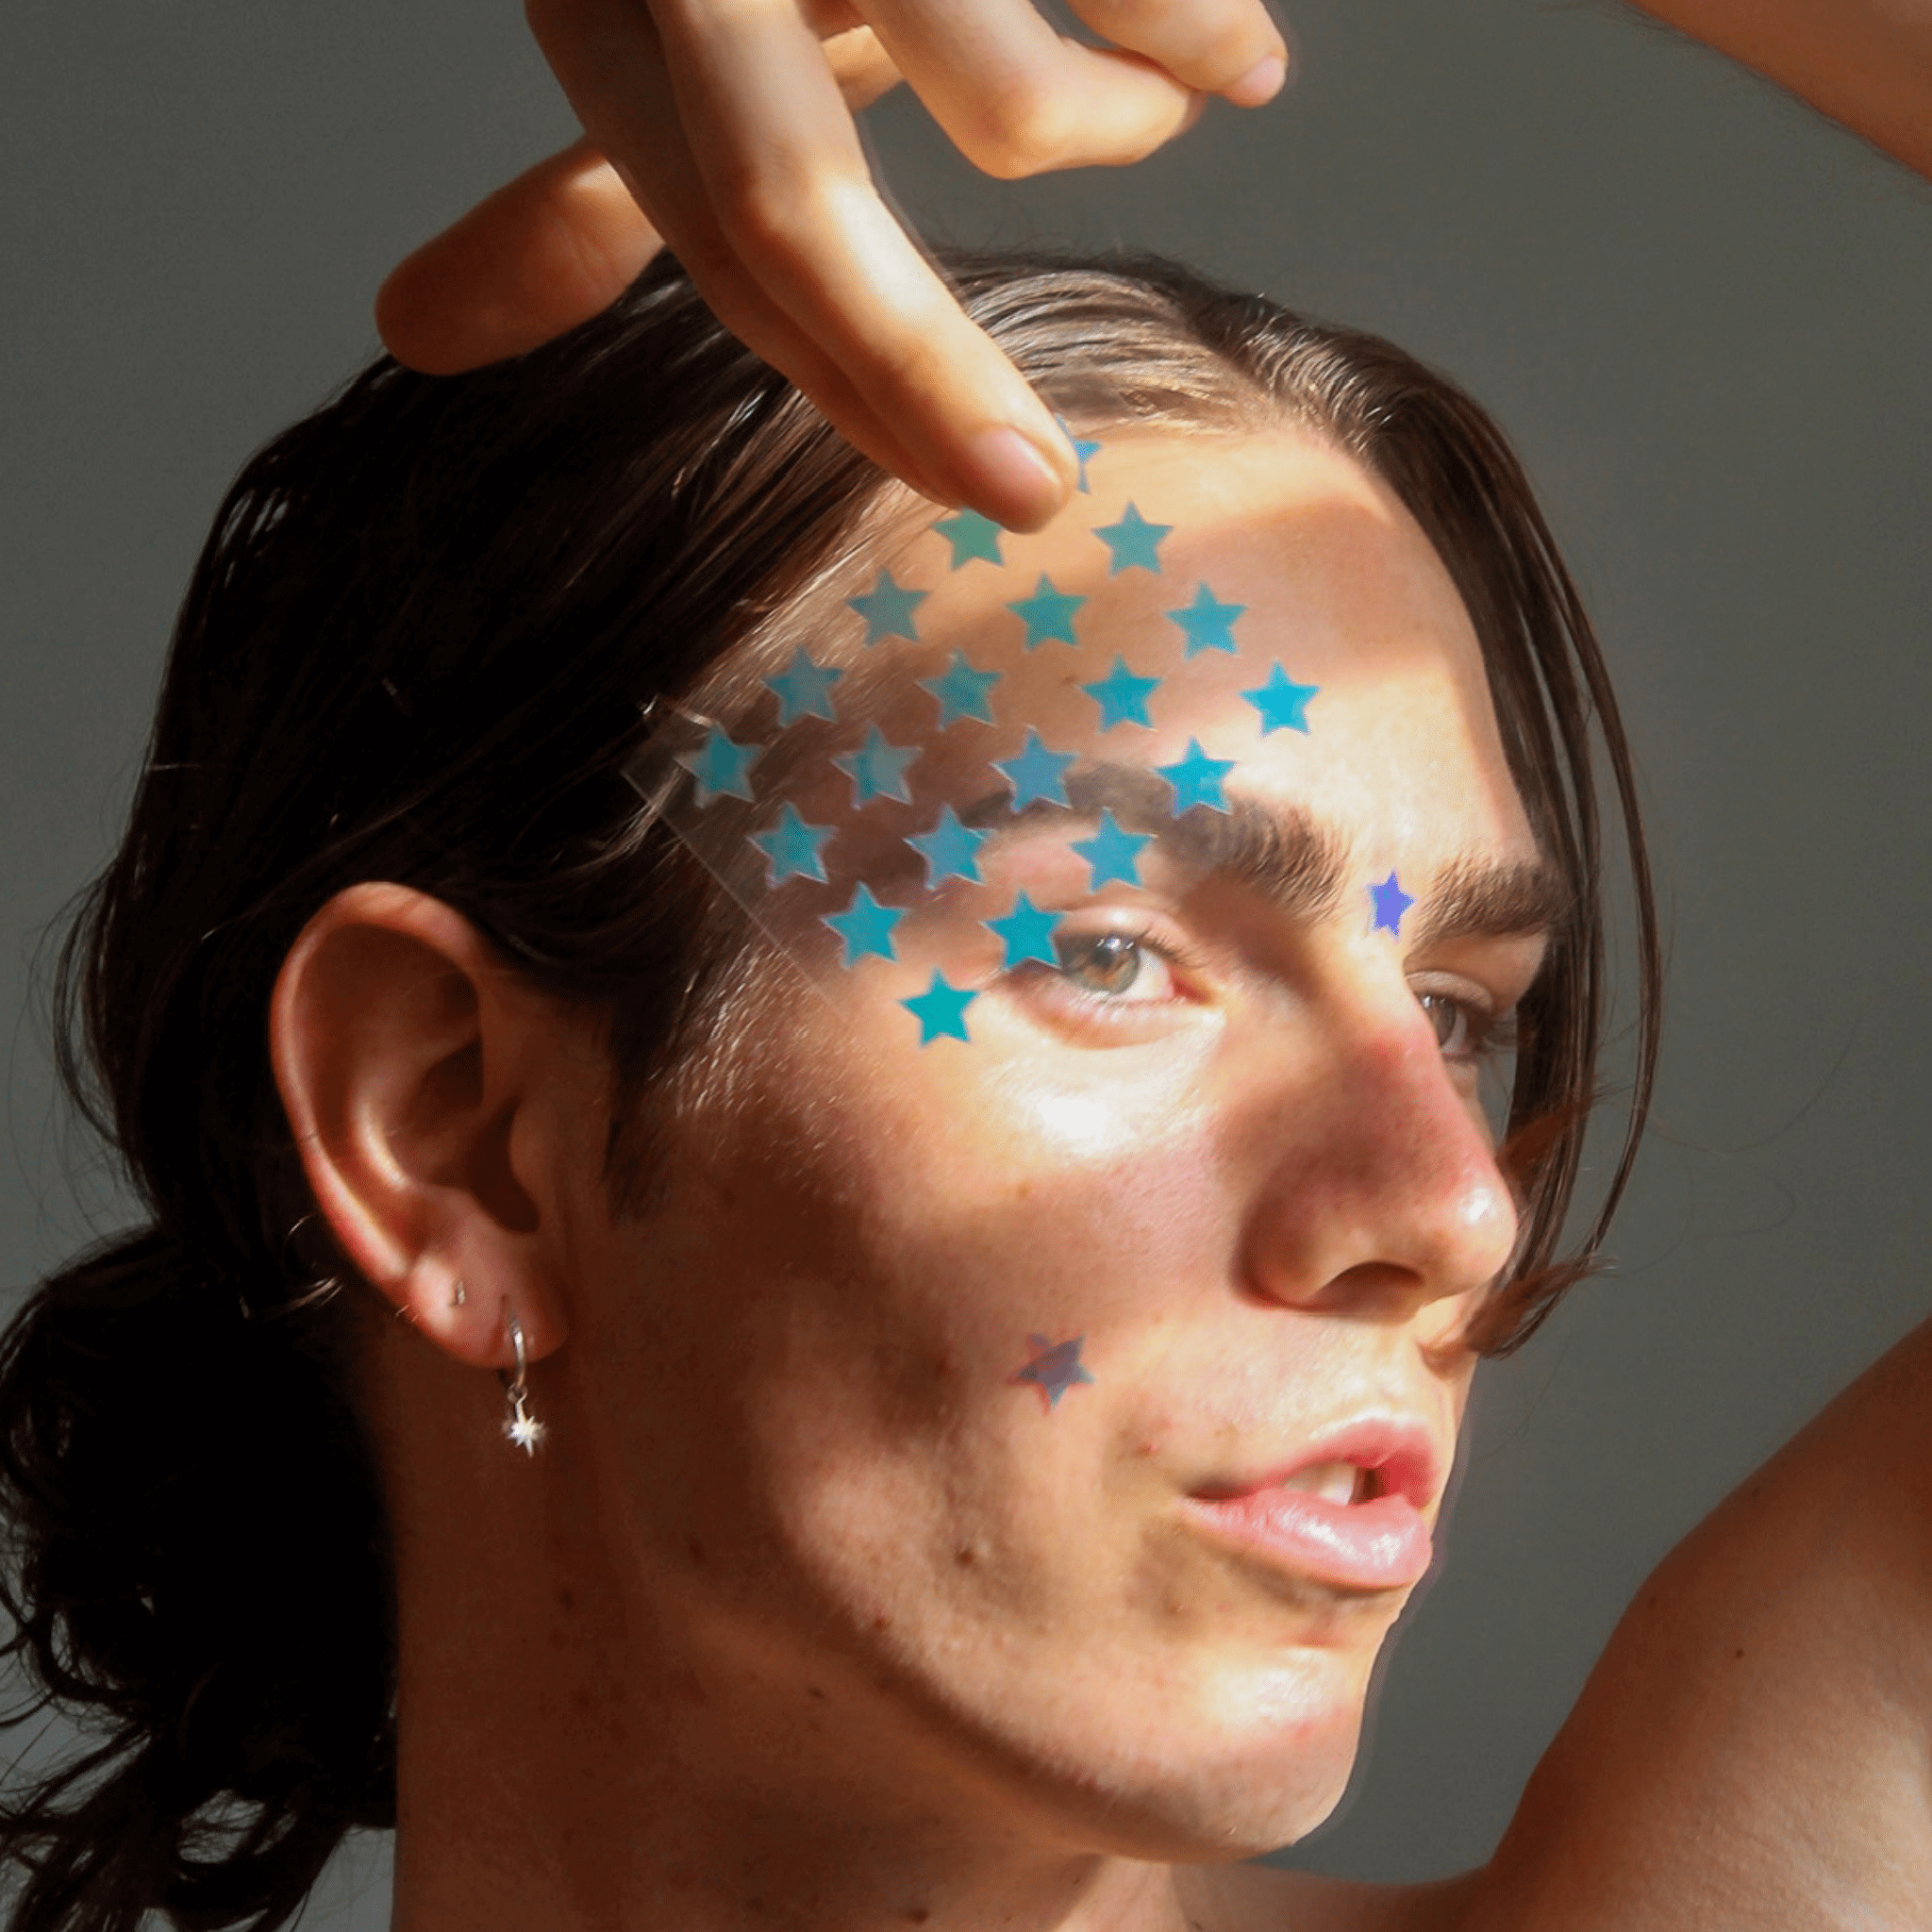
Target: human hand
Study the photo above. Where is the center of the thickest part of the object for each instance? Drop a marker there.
(729, 128)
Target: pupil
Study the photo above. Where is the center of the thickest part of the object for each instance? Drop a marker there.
(1109, 962)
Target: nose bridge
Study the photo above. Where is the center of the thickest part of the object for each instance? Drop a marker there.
(1388, 1174)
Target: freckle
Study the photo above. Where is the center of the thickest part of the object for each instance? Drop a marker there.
(917, 1915)
(965, 1556)
(813, 1691)
(566, 1598)
(695, 1549)
(1740, 1657)
(882, 1621)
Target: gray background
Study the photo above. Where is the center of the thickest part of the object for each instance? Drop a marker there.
(1700, 312)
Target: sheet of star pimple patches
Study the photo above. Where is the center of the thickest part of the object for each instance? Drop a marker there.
(927, 777)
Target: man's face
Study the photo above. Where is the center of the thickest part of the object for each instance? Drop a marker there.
(1071, 1402)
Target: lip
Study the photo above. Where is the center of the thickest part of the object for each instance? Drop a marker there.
(1383, 1544)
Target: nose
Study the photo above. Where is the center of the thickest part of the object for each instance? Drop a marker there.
(1377, 1187)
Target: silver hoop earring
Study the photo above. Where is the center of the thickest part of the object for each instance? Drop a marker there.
(520, 1425)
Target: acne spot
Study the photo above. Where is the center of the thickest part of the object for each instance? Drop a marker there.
(966, 1556)
(882, 1621)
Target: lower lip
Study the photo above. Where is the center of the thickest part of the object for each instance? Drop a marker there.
(1382, 1544)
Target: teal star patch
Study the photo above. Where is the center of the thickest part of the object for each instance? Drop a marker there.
(1037, 774)
(1209, 624)
(794, 849)
(1048, 614)
(1282, 702)
(1055, 1368)
(866, 927)
(1121, 696)
(877, 770)
(940, 1010)
(721, 766)
(970, 536)
(887, 608)
(962, 692)
(1026, 933)
(1112, 854)
(1081, 452)
(804, 689)
(950, 850)
(1197, 779)
(1134, 542)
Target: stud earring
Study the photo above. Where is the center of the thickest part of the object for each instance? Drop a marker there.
(458, 1295)
(520, 1425)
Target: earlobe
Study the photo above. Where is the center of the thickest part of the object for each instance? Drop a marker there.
(405, 1053)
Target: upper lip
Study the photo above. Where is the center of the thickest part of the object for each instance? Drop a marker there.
(1402, 1450)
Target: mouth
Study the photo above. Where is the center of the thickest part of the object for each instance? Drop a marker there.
(1348, 1511)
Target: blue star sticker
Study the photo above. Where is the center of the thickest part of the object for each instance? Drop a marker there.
(940, 1010)
(1134, 542)
(971, 535)
(1121, 696)
(866, 927)
(1081, 452)
(877, 770)
(1390, 902)
(1208, 623)
(1197, 779)
(962, 691)
(721, 767)
(1027, 932)
(795, 849)
(1282, 702)
(804, 689)
(1048, 613)
(1112, 854)
(887, 608)
(1037, 774)
(1055, 1368)
(950, 850)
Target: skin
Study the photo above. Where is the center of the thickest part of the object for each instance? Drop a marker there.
(730, 135)
(807, 1612)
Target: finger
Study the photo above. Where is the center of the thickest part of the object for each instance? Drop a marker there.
(611, 66)
(752, 169)
(547, 251)
(1017, 98)
(1228, 47)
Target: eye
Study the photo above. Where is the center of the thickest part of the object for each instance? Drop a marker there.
(1464, 1029)
(1114, 965)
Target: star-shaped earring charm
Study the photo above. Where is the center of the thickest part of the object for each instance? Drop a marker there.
(523, 1428)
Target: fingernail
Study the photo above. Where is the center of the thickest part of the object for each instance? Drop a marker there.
(1259, 84)
(1008, 477)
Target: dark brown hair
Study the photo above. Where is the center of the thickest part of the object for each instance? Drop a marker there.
(415, 648)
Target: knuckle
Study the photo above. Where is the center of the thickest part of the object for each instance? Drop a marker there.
(1034, 131)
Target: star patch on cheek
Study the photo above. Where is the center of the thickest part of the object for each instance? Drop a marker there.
(940, 1009)
(1390, 902)
(972, 537)
(720, 768)
(866, 927)
(1055, 1368)
(887, 608)
(1037, 776)
(1282, 702)
(1082, 450)
(1027, 932)
(1208, 623)
(1112, 853)
(1121, 696)
(1135, 542)
(1197, 779)
(1048, 614)
(804, 689)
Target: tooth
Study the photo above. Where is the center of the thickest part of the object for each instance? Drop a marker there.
(1334, 1482)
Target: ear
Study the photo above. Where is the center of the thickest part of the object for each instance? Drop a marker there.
(418, 1074)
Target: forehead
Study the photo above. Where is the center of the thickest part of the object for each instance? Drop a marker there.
(1333, 582)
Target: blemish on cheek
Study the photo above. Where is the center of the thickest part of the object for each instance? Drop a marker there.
(1055, 1367)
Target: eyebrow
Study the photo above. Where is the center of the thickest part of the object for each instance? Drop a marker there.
(1288, 857)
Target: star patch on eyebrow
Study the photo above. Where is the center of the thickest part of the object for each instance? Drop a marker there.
(940, 1009)
(962, 691)
(1027, 932)
(1208, 623)
(1197, 779)
(866, 927)
(1037, 776)
(1391, 903)
(887, 608)
(1112, 853)
(1121, 696)
(794, 849)
(1055, 1368)
(971, 536)
(721, 767)
(951, 850)
(1081, 452)
(804, 689)
(1048, 614)
(1282, 702)
(1134, 542)
(876, 769)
